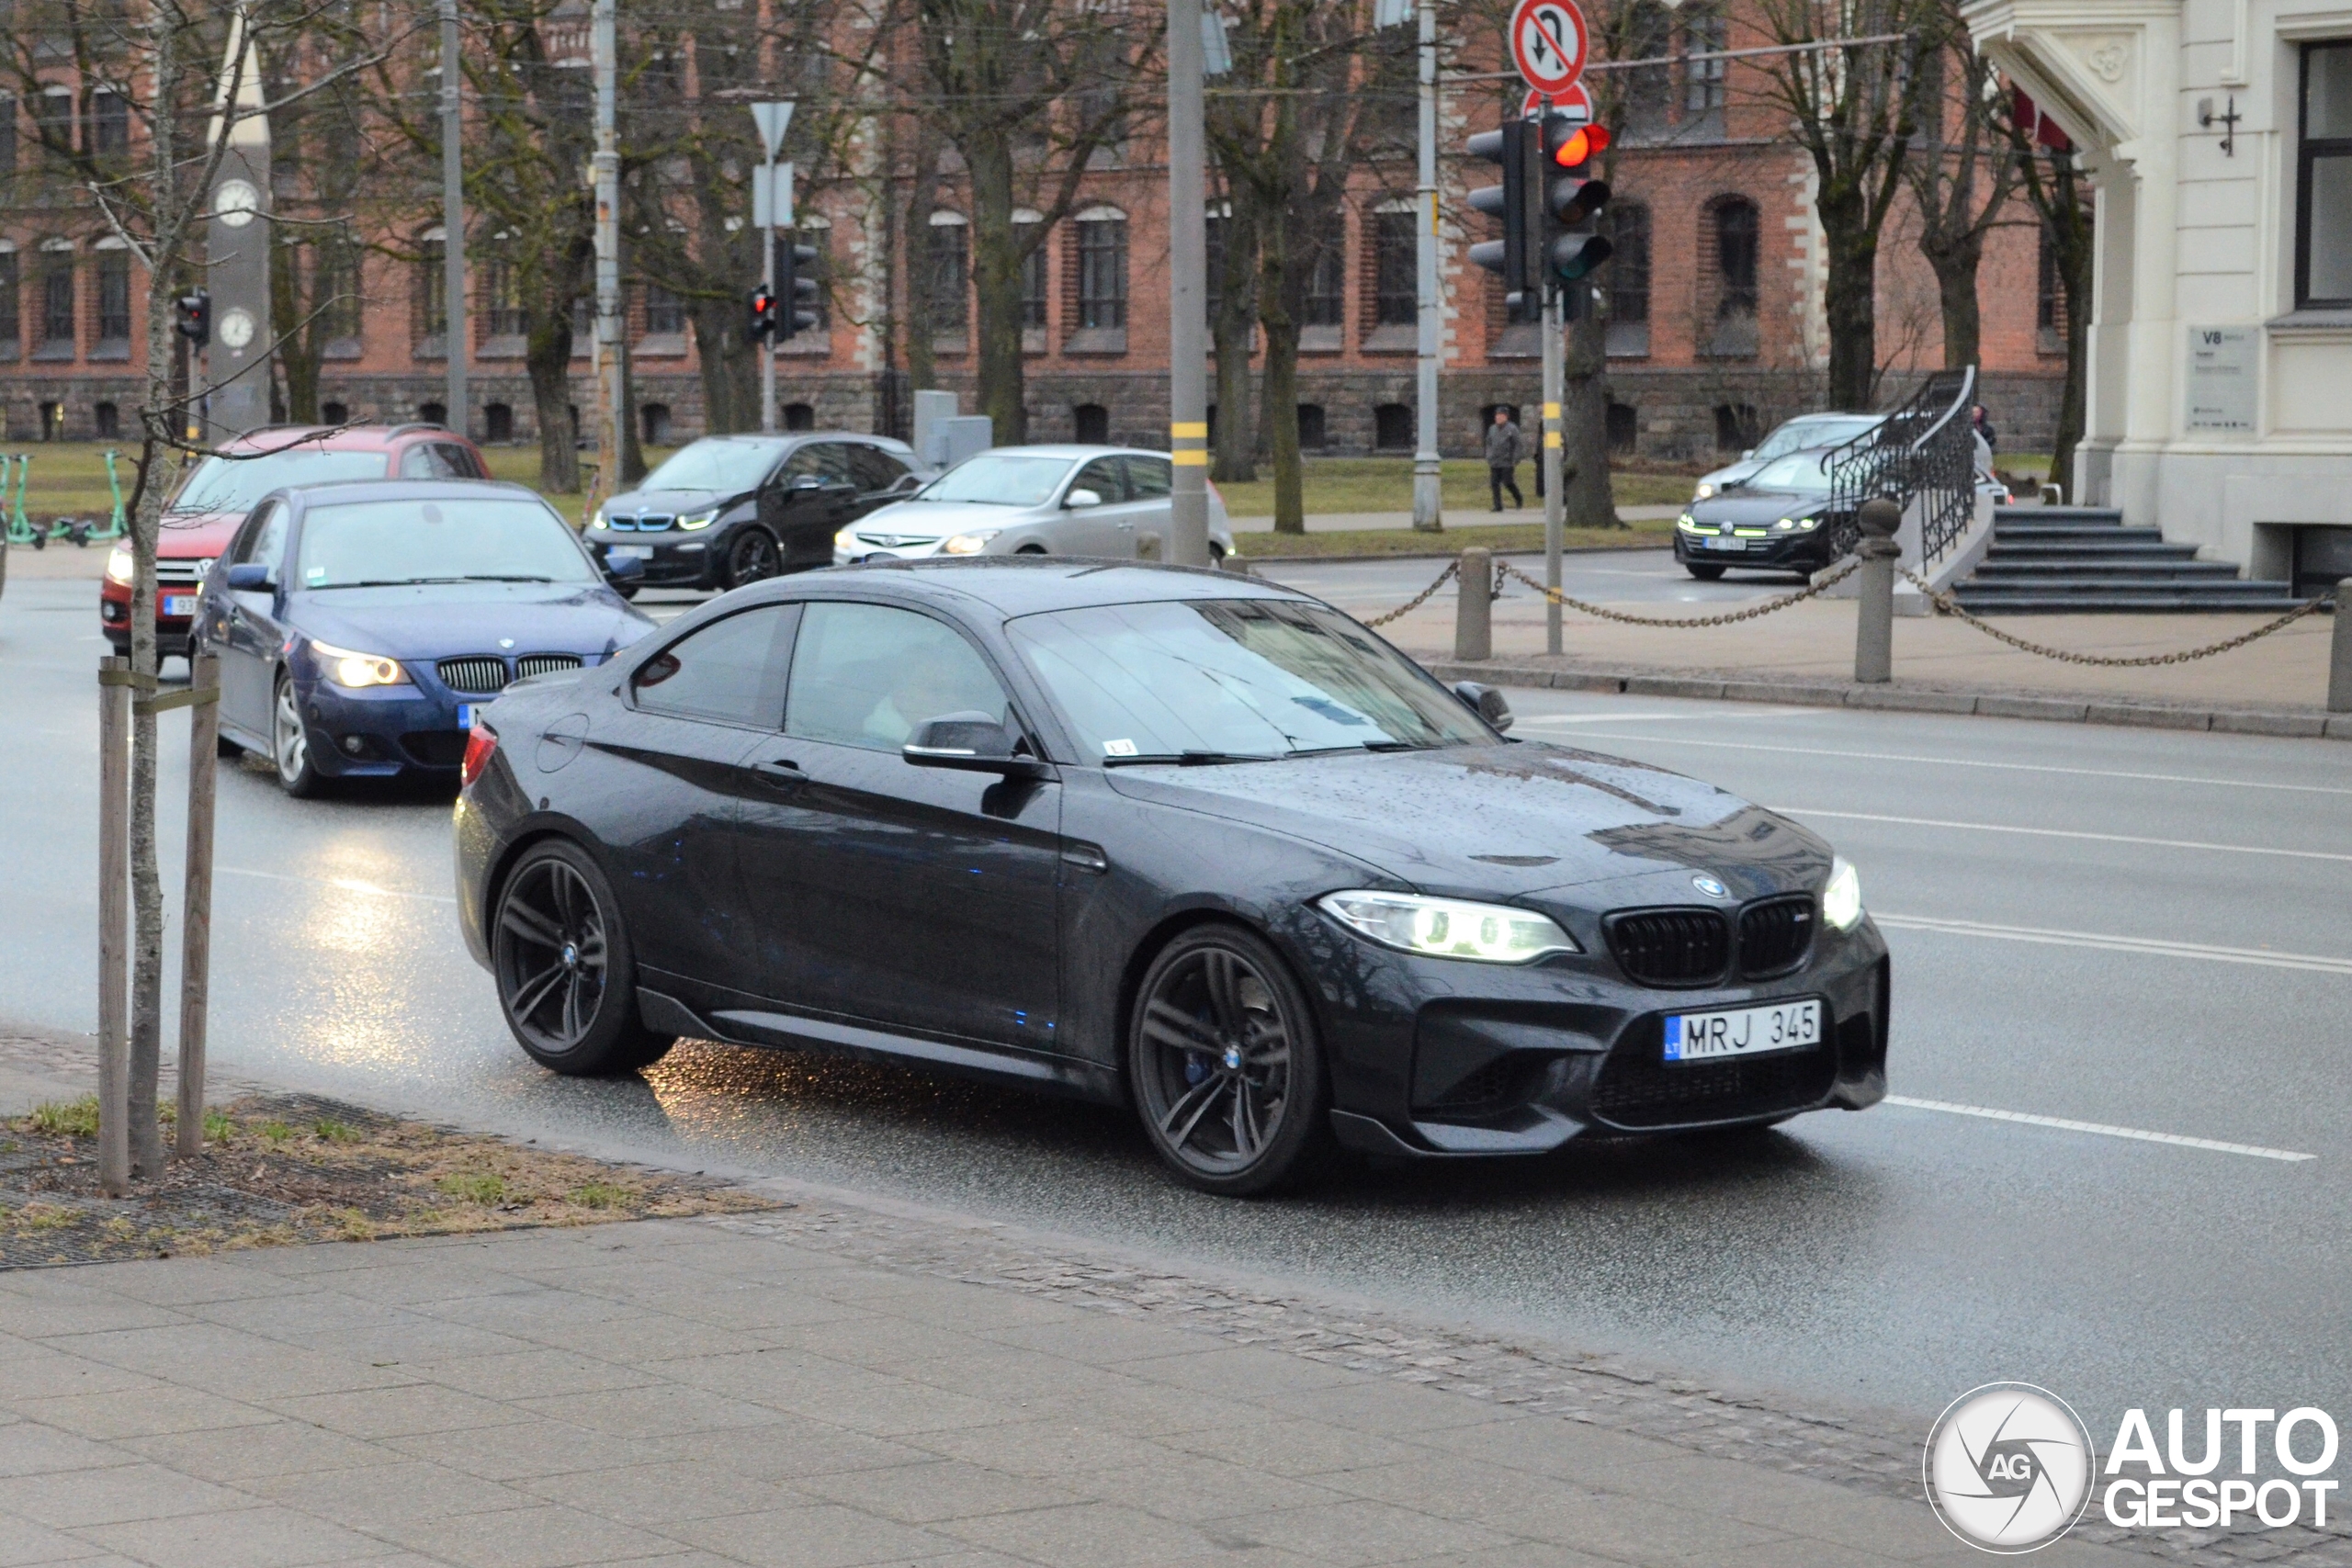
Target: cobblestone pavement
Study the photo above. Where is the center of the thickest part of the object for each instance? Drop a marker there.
(848, 1381)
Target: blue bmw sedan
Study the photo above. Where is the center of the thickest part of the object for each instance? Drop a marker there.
(360, 626)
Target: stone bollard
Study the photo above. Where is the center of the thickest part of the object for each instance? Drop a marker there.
(1473, 605)
(2339, 652)
(1874, 610)
(1147, 547)
(1236, 563)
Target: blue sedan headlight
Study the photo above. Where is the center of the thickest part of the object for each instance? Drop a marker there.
(345, 668)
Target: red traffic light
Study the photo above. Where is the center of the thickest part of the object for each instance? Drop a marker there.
(1581, 144)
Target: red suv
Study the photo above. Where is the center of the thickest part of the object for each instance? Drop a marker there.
(204, 516)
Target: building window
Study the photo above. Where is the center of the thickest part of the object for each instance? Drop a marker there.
(334, 285)
(1397, 265)
(1327, 275)
(109, 124)
(654, 418)
(665, 314)
(1091, 423)
(1703, 80)
(1733, 334)
(1649, 89)
(333, 412)
(1033, 278)
(1736, 427)
(433, 288)
(433, 414)
(1103, 271)
(497, 421)
(950, 274)
(1624, 429)
(502, 292)
(7, 140)
(54, 124)
(2050, 306)
(1392, 427)
(1628, 278)
(1215, 234)
(57, 302)
(11, 328)
(2323, 178)
(114, 297)
(1311, 433)
(583, 322)
(799, 416)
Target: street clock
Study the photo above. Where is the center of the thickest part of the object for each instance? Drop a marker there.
(234, 202)
(236, 328)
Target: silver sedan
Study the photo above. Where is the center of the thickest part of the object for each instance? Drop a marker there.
(1013, 501)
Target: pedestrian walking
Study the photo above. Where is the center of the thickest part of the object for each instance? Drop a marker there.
(1984, 427)
(1502, 459)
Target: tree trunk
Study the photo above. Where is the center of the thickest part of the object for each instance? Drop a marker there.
(1955, 267)
(995, 265)
(729, 364)
(1236, 324)
(1277, 291)
(300, 356)
(548, 356)
(1851, 307)
(1586, 499)
(2076, 263)
(632, 448)
(922, 360)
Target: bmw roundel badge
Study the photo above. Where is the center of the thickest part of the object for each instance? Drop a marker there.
(1710, 886)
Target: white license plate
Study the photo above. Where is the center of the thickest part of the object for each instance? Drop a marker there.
(177, 604)
(1722, 544)
(466, 712)
(1741, 1032)
(630, 552)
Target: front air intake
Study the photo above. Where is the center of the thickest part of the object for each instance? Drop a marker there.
(1774, 936)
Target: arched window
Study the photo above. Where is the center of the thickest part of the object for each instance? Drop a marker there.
(114, 297)
(1628, 278)
(433, 414)
(799, 416)
(1392, 427)
(57, 335)
(1728, 260)
(1093, 423)
(948, 274)
(1396, 263)
(108, 421)
(332, 413)
(432, 283)
(1103, 269)
(1624, 429)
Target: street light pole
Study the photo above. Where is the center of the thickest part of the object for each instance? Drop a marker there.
(1554, 512)
(1188, 389)
(456, 336)
(1428, 515)
(610, 401)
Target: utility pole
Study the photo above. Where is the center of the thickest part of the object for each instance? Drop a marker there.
(1428, 510)
(457, 338)
(1555, 515)
(610, 402)
(771, 208)
(1188, 262)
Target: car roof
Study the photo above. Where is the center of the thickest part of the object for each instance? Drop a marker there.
(1068, 449)
(349, 491)
(1024, 585)
(791, 437)
(334, 438)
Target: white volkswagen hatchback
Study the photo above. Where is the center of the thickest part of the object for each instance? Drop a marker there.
(1014, 501)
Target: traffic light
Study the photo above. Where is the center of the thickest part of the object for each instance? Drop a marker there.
(764, 315)
(1518, 256)
(1573, 246)
(795, 289)
(194, 316)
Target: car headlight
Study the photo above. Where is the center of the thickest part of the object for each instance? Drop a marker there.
(1702, 492)
(1841, 899)
(970, 543)
(118, 564)
(1799, 524)
(1687, 523)
(1449, 928)
(345, 668)
(846, 539)
(596, 518)
(698, 520)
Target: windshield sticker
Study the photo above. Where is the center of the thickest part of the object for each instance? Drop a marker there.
(1118, 748)
(1332, 710)
(317, 574)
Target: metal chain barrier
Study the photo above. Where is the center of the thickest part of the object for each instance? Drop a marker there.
(1947, 605)
(1417, 600)
(1837, 576)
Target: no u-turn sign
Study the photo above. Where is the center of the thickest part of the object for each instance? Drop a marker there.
(1547, 41)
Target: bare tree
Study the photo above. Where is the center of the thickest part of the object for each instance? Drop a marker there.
(2060, 193)
(1961, 174)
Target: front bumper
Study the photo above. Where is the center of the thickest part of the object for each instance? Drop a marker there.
(171, 631)
(675, 560)
(1441, 1057)
(1789, 552)
(384, 731)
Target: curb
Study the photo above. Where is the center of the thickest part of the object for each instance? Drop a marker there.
(2304, 723)
(1257, 561)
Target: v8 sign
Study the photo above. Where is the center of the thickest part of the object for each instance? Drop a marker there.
(1547, 41)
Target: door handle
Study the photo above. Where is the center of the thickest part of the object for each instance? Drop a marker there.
(781, 771)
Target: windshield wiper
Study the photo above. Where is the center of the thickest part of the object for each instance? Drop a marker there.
(1192, 759)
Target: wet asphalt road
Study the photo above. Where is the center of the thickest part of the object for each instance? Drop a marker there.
(2024, 872)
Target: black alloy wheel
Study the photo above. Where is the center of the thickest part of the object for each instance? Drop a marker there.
(566, 973)
(1706, 573)
(1227, 1070)
(751, 555)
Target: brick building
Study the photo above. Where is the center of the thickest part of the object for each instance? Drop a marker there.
(1715, 332)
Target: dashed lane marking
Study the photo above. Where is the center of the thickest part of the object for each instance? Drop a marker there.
(2103, 1129)
(2151, 946)
(2062, 833)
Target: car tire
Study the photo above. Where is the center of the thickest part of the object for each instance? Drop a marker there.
(629, 593)
(1225, 1064)
(566, 972)
(1704, 573)
(1031, 550)
(753, 555)
(290, 743)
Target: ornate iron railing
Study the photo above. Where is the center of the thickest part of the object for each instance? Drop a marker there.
(1925, 451)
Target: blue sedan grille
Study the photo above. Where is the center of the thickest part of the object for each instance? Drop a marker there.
(486, 674)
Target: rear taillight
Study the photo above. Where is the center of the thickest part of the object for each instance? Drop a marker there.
(480, 741)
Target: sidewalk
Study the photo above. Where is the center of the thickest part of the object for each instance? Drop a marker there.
(1349, 522)
(848, 1382)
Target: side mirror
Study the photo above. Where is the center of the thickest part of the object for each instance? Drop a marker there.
(807, 481)
(970, 741)
(1484, 701)
(1082, 497)
(248, 576)
(908, 484)
(1747, 454)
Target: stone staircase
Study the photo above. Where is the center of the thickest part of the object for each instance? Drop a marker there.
(2078, 560)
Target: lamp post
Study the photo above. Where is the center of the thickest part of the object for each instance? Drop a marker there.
(1188, 390)
(456, 337)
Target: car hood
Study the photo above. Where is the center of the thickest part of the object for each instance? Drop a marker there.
(674, 501)
(1513, 820)
(937, 519)
(436, 620)
(1731, 473)
(195, 535)
(1757, 506)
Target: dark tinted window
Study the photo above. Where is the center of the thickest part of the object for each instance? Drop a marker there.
(827, 460)
(1147, 479)
(264, 539)
(728, 670)
(876, 469)
(1103, 477)
(433, 460)
(462, 461)
(869, 674)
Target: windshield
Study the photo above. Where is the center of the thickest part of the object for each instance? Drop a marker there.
(492, 539)
(1807, 472)
(1233, 678)
(233, 484)
(999, 478)
(1799, 434)
(728, 466)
